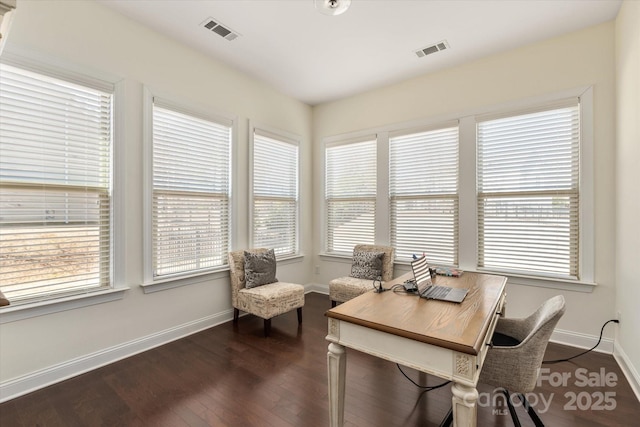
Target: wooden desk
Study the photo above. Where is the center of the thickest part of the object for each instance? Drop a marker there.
(445, 339)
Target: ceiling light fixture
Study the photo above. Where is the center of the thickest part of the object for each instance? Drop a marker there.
(332, 7)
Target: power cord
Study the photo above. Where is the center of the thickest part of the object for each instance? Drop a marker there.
(429, 388)
(424, 387)
(400, 289)
(586, 351)
(377, 285)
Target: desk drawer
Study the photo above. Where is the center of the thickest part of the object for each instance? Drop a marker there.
(492, 326)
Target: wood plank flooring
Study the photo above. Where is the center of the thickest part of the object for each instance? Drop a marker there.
(233, 376)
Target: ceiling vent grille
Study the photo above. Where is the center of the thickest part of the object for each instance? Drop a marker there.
(432, 49)
(220, 29)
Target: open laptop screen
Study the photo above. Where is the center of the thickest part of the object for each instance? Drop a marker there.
(421, 273)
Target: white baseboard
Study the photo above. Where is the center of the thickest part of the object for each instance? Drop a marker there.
(628, 369)
(577, 339)
(39, 379)
(36, 380)
(317, 287)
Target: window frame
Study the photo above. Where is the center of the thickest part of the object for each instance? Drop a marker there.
(496, 195)
(467, 250)
(80, 75)
(586, 260)
(423, 196)
(151, 284)
(285, 138)
(344, 141)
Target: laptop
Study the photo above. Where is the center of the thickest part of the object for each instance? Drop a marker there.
(426, 288)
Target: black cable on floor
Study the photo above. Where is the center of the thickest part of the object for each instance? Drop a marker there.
(586, 351)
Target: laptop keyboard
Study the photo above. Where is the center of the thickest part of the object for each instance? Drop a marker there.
(437, 292)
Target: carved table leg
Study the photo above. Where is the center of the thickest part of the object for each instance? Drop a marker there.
(465, 410)
(336, 364)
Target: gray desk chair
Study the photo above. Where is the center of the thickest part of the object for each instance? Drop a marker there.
(369, 262)
(518, 346)
(266, 298)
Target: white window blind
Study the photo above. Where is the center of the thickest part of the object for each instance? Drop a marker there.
(350, 192)
(275, 193)
(55, 186)
(528, 191)
(423, 190)
(190, 207)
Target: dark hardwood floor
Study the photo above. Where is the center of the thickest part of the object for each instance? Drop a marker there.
(233, 376)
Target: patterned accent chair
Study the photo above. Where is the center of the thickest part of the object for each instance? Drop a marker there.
(516, 353)
(265, 301)
(345, 288)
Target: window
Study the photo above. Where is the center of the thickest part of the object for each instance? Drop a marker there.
(350, 195)
(423, 190)
(191, 188)
(505, 189)
(275, 193)
(55, 185)
(528, 191)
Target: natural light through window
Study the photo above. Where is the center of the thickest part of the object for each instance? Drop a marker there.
(55, 186)
(528, 192)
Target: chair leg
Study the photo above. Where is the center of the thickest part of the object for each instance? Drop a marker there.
(448, 419)
(299, 315)
(333, 303)
(236, 314)
(532, 413)
(512, 410)
(267, 327)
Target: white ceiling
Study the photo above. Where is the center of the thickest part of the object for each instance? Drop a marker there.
(318, 58)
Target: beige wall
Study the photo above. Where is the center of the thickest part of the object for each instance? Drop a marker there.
(66, 31)
(627, 178)
(578, 59)
(92, 37)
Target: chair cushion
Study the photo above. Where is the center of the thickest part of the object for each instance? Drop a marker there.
(366, 265)
(259, 268)
(343, 289)
(502, 340)
(271, 300)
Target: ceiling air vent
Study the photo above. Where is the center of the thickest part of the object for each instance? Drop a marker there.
(432, 49)
(221, 30)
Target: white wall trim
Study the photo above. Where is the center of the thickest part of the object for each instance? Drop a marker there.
(14, 313)
(42, 378)
(39, 379)
(317, 288)
(627, 368)
(20, 386)
(577, 339)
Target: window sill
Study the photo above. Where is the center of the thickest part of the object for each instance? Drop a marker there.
(560, 284)
(176, 282)
(337, 257)
(512, 279)
(290, 259)
(10, 313)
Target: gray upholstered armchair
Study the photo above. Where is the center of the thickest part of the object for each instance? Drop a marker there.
(518, 346)
(344, 288)
(265, 301)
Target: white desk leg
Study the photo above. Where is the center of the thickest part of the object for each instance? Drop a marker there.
(465, 410)
(336, 364)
